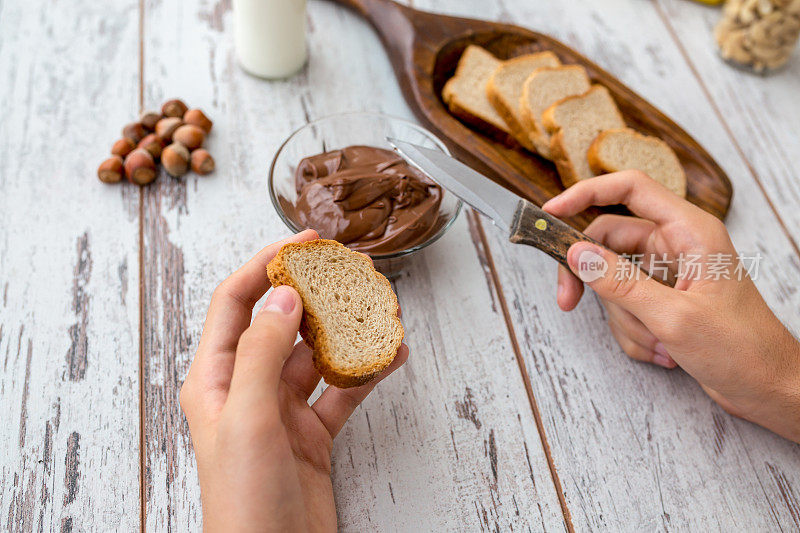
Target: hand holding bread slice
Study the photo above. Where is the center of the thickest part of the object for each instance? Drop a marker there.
(350, 310)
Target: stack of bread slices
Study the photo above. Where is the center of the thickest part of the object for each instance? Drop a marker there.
(556, 111)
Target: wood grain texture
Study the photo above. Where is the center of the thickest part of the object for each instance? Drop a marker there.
(637, 447)
(69, 306)
(447, 441)
(759, 113)
(452, 442)
(425, 48)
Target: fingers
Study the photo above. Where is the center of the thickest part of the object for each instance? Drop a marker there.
(635, 339)
(631, 348)
(623, 234)
(263, 348)
(636, 351)
(299, 373)
(631, 325)
(642, 195)
(206, 385)
(617, 280)
(232, 303)
(570, 289)
(620, 233)
(336, 405)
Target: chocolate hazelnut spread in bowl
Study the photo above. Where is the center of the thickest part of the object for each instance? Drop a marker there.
(339, 176)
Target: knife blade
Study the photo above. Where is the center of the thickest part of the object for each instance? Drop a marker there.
(525, 222)
(475, 189)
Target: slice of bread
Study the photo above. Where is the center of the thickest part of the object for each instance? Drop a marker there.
(504, 89)
(544, 87)
(350, 310)
(623, 148)
(573, 123)
(465, 93)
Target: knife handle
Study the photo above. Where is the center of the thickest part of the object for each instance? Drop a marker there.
(535, 227)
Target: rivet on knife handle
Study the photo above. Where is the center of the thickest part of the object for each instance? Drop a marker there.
(535, 227)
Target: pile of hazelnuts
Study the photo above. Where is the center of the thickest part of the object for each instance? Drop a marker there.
(174, 136)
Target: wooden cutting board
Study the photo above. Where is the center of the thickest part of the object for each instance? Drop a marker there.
(424, 49)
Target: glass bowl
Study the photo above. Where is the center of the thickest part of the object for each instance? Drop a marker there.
(347, 129)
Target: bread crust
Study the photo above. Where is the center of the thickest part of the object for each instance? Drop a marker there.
(314, 334)
(529, 125)
(499, 104)
(517, 131)
(487, 128)
(593, 154)
(598, 166)
(450, 98)
(558, 153)
(538, 139)
(447, 90)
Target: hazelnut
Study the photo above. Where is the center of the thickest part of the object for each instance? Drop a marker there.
(202, 162)
(195, 117)
(173, 108)
(175, 159)
(134, 131)
(149, 119)
(190, 136)
(140, 167)
(123, 147)
(167, 126)
(110, 170)
(153, 144)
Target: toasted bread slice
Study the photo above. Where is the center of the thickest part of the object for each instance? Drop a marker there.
(623, 148)
(573, 123)
(504, 89)
(465, 93)
(544, 87)
(350, 320)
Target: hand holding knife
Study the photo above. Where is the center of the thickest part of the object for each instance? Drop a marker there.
(525, 222)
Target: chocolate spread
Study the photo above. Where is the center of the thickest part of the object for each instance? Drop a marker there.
(367, 198)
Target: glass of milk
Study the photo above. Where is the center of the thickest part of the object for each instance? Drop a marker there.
(270, 36)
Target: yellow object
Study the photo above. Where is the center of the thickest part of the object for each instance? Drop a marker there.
(540, 224)
(710, 2)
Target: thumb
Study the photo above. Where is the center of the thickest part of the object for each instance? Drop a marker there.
(616, 279)
(265, 346)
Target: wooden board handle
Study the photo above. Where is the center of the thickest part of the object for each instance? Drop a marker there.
(535, 227)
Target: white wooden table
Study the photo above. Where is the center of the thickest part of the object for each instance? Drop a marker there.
(509, 415)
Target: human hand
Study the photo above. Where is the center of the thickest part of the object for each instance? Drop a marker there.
(720, 331)
(263, 453)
